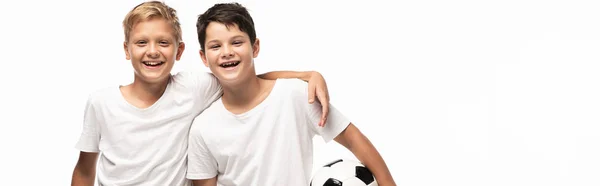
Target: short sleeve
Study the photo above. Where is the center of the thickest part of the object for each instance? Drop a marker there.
(336, 121)
(201, 163)
(90, 134)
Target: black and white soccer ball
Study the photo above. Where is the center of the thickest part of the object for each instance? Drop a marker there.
(343, 172)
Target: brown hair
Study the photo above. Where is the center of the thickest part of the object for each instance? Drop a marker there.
(228, 14)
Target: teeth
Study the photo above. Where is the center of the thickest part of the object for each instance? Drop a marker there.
(228, 64)
(152, 63)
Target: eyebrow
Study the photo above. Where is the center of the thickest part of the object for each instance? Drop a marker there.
(234, 37)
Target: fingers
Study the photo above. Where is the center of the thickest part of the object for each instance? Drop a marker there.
(324, 100)
(324, 117)
(312, 89)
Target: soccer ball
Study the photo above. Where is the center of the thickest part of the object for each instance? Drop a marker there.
(343, 172)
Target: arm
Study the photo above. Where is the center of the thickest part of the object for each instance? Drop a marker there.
(207, 182)
(361, 147)
(84, 173)
(340, 129)
(316, 85)
(304, 75)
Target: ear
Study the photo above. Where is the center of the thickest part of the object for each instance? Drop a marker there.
(127, 55)
(180, 49)
(256, 48)
(203, 57)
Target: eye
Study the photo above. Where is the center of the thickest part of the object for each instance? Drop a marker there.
(214, 46)
(141, 42)
(237, 43)
(164, 43)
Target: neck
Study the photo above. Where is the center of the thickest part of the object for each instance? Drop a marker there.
(242, 93)
(147, 91)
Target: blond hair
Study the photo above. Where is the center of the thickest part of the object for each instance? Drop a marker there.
(149, 10)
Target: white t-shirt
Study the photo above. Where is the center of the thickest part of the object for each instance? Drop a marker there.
(270, 144)
(146, 146)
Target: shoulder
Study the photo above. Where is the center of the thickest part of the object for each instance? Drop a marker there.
(193, 77)
(291, 90)
(191, 74)
(196, 81)
(293, 87)
(102, 95)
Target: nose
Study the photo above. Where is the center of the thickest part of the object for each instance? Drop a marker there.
(227, 51)
(152, 51)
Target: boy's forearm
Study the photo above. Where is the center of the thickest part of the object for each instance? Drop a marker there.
(84, 173)
(206, 182)
(366, 153)
(370, 157)
(303, 75)
(82, 178)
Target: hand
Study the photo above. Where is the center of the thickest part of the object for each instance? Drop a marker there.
(318, 87)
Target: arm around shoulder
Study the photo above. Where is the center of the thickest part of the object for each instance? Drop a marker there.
(303, 75)
(365, 152)
(204, 85)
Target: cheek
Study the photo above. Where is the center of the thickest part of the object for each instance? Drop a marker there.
(246, 51)
(212, 57)
(169, 51)
(136, 52)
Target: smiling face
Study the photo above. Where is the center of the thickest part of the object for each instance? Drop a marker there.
(153, 49)
(229, 53)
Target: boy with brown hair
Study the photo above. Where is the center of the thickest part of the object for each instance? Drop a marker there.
(139, 131)
(259, 133)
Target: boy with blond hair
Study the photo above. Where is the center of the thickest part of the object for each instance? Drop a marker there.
(137, 134)
(259, 133)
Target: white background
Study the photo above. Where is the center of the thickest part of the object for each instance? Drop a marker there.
(469, 93)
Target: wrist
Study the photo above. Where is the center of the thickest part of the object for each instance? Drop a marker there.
(306, 75)
(386, 183)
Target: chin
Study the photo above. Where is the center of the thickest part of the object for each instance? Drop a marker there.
(153, 77)
(231, 77)
(228, 77)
